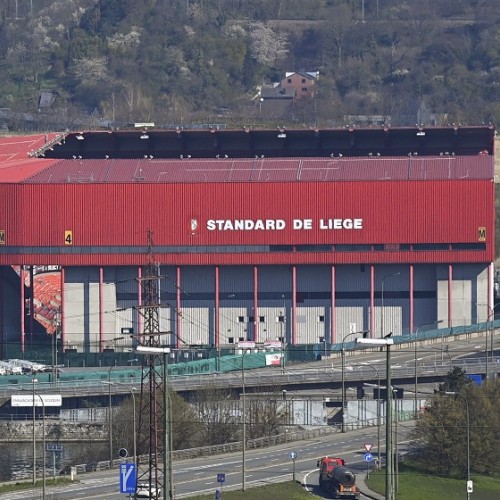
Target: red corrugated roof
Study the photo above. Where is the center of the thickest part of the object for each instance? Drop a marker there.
(264, 170)
(15, 163)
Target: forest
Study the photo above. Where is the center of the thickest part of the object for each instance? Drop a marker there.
(69, 63)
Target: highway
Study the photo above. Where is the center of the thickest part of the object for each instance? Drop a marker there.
(262, 466)
(434, 359)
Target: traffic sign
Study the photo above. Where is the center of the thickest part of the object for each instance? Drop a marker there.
(54, 447)
(221, 478)
(293, 455)
(368, 447)
(128, 478)
(368, 457)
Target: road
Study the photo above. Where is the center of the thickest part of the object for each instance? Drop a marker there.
(263, 466)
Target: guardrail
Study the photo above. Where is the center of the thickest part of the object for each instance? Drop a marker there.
(215, 449)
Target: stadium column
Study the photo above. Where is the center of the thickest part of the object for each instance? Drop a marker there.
(139, 303)
(101, 308)
(217, 310)
(412, 305)
(293, 325)
(255, 304)
(372, 301)
(178, 306)
(61, 309)
(2, 337)
(450, 296)
(31, 305)
(21, 288)
(333, 333)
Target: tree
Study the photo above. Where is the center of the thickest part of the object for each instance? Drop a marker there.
(441, 432)
(455, 381)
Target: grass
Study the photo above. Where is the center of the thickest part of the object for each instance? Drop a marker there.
(28, 485)
(417, 485)
(279, 491)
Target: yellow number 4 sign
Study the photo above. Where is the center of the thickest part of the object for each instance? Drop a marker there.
(68, 237)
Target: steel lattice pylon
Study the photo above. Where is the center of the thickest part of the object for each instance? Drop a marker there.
(152, 408)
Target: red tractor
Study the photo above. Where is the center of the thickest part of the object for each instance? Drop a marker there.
(336, 479)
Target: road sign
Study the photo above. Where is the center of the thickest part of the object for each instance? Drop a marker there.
(293, 455)
(368, 447)
(54, 447)
(40, 400)
(368, 457)
(221, 478)
(128, 478)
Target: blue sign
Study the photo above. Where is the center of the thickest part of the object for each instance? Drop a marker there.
(221, 478)
(54, 447)
(128, 478)
(293, 455)
(368, 457)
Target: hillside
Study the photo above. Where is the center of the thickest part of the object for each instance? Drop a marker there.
(69, 63)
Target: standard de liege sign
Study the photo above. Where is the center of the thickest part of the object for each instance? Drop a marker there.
(42, 400)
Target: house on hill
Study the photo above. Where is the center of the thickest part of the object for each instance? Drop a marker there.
(294, 86)
(302, 84)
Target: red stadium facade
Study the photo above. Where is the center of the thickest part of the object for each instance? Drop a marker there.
(261, 235)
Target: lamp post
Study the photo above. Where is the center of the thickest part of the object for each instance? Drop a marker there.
(416, 371)
(342, 356)
(283, 334)
(34, 434)
(491, 318)
(244, 420)
(389, 469)
(34, 393)
(167, 470)
(382, 302)
(469, 482)
(131, 389)
(378, 411)
(110, 419)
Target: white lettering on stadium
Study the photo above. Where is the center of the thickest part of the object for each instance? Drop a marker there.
(341, 224)
(280, 224)
(246, 225)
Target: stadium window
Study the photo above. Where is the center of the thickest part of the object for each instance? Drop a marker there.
(321, 319)
(251, 319)
(262, 319)
(230, 340)
(241, 319)
(468, 246)
(431, 246)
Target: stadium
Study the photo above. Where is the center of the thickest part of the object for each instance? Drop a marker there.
(262, 238)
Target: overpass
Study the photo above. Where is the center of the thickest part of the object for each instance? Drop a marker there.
(432, 358)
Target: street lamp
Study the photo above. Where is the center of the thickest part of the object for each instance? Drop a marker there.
(389, 469)
(131, 389)
(34, 393)
(34, 434)
(469, 482)
(283, 334)
(378, 411)
(244, 419)
(342, 355)
(382, 303)
(167, 480)
(110, 419)
(416, 371)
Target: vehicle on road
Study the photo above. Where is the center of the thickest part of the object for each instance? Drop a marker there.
(336, 479)
(144, 490)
